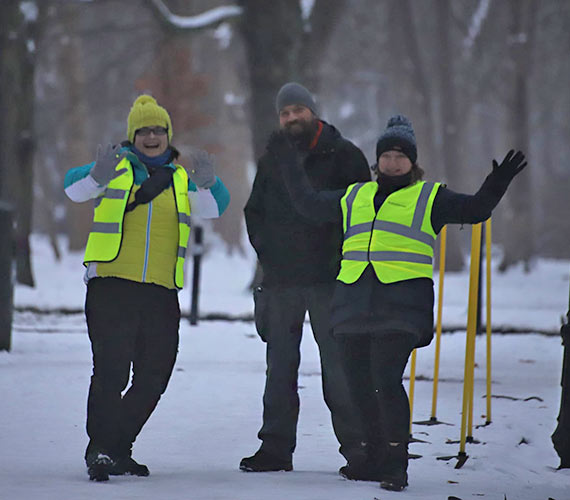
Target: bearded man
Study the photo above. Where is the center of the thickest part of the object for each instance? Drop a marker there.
(299, 261)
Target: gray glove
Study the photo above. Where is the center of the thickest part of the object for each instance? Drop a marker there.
(106, 161)
(202, 171)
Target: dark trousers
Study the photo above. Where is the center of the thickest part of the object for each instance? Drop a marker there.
(280, 312)
(131, 325)
(374, 367)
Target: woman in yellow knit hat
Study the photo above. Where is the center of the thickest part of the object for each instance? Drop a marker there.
(134, 268)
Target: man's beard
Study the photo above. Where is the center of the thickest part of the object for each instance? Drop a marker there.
(303, 132)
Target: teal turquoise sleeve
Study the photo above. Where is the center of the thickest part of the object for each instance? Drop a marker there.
(76, 174)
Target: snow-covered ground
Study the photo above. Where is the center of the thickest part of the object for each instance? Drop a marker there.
(210, 414)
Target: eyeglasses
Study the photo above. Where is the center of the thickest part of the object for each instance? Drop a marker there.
(155, 130)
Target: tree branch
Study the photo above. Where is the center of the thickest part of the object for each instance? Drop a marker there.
(204, 20)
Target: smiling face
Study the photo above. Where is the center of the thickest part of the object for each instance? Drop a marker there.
(296, 119)
(151, 141)
(394, 162)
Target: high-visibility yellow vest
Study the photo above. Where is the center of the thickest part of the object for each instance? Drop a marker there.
(398, 240)
(105, 238)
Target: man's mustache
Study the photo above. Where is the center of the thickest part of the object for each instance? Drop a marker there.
(290, 124)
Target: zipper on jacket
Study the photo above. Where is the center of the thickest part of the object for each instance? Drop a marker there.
(372, 228)
(371, 235)
(147, 243)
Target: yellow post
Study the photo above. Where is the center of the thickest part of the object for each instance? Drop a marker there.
(442, 246)
(470, 338)
(412, 386)
(488, 313)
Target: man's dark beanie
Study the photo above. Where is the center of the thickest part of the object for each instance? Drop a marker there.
(294, 93)
(399, 134)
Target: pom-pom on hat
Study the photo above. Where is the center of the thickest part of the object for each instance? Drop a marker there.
(145, 112)
(295, 93)
(400, 135)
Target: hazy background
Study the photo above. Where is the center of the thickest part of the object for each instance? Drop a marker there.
(476, 77)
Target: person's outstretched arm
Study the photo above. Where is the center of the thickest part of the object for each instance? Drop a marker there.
(209, 196)
(89, 181)
(456, 208)
(318, 206)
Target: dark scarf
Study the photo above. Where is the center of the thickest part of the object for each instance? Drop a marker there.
(160, 177)
(390, 183)
(154, 161)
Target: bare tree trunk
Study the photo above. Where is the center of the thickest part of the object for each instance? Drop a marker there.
(17, 145)
(79, 215)
(408, 41)
(272, 33)
(281, 47)
(450, 125)
(519, 245)
(317, 32)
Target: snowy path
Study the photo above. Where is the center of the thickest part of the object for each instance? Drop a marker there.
(211, 412)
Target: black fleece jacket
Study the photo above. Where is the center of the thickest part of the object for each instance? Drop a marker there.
(294, 249)
(406, 307)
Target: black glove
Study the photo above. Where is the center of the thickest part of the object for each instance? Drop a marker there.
(565, 334)
(282, 149)
(511, 165)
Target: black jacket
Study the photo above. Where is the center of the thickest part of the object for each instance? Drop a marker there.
(292, 249)
(370, 306)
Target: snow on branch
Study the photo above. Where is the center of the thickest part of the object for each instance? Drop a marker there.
(203, 20)
(306, 8)
(476, 23)
(30, 11)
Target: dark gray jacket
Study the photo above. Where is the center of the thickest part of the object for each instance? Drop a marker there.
(294, 249)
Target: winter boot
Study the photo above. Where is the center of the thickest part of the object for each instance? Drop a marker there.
(126, 465)
(364, 471)
(368, 468)
(263, 461)
(394, 474)
(98, 466)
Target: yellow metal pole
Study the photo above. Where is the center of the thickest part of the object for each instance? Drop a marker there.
(476, 258)
(471, 384)
(442, 247)
(488, 313)
(471, 330)
(412, 386)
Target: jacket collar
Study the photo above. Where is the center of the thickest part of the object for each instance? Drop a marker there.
(327, 139)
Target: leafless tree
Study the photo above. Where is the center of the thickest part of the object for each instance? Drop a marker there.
(18, 26)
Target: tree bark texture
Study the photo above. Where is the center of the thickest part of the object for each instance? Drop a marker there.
(451, 158)
(17, 144)
(519, 245)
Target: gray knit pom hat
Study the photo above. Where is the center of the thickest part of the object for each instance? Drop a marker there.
(294, 93)
(398, 134)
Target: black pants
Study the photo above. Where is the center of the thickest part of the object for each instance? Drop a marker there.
(280, 312)
(374, 367)
(130, 325)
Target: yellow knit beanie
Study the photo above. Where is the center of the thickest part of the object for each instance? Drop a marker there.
(145, 112)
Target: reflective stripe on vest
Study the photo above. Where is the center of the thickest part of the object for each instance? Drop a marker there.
(180, 180)
(398, 240)
(104, 242)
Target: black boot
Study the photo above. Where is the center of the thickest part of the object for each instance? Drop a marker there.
(364, 471)
(98, 466)
(126, 465)
(368, 468)
(263, 461)
(394, 474)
